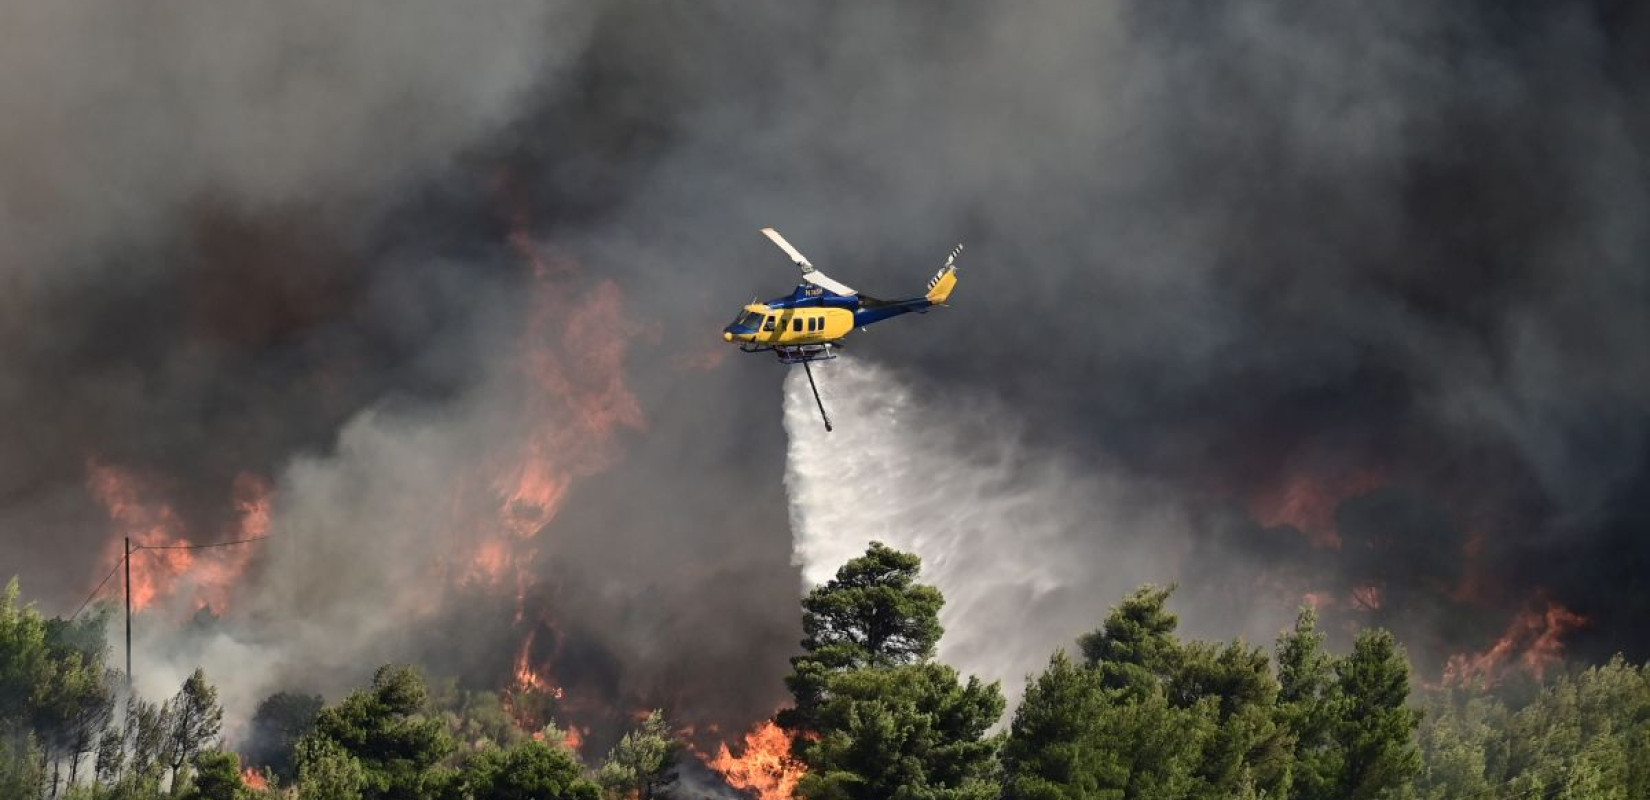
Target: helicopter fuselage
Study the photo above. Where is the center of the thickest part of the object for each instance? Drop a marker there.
(810, 316)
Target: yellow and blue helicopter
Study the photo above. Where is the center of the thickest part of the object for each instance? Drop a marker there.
(810, 323)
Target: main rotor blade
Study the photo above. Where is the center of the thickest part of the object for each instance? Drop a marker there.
(795, 254)
(809, 273)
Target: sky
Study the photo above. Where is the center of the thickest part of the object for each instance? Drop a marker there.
(1284, 303)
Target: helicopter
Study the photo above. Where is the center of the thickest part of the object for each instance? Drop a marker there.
(810, 323)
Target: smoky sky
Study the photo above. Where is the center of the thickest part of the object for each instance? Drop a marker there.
(1211, 247)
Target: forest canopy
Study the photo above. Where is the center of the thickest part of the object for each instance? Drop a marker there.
(1132, 711)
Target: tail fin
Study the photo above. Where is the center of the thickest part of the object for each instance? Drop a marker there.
(940, 286)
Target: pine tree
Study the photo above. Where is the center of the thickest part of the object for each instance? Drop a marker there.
(327, 771)
(1135, 648)
(26, 662)
(874, 716)
(530, 770)
(642, 760)
(1455, 739)
(146, 726)
(195, 720)
(911, 731)
(386, 734)
(1376, 727)
(872, 614)
(1054, 750)
(1585, 734)
(217, 776)
(1308, 707)
(1248, 753)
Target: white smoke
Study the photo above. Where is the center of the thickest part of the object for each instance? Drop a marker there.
(346, 582)
(993, 518)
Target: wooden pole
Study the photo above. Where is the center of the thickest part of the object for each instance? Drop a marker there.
(128, 613)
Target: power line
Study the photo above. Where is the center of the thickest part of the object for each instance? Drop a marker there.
(196, 546)
(116, 567)
(126, 561)
(99, 588)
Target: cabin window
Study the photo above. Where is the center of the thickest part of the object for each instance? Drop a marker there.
(813, 324)
(796, 325)
(767, 323)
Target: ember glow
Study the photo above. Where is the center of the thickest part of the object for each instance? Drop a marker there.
(573, 401)
(528, 680)
(1308, 501)
(573, 738)
(160, 569)
(764, 768)
(254, 779)
(1533, 641)
(1367, 597)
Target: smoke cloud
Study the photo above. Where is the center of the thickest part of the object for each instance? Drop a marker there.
(1288, 302)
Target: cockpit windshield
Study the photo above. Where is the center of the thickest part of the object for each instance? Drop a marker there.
(749, 319)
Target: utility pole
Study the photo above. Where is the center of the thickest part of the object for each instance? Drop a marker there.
(128, 558)
(127, 563)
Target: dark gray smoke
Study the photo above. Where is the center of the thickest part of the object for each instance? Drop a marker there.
(1392, 253)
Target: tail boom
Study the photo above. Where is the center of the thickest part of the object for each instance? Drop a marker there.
(939, 290)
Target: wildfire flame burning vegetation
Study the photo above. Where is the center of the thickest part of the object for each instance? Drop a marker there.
(573, 403)
(1533, 641)
(1341, 582)
(765, 768)
(1307, 502)
(568, 406)
(564, 401)
(157, 575)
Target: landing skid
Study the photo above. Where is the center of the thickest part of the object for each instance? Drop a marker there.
(795, 354)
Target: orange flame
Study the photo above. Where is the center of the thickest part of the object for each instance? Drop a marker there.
(573, 738)
(1533, 640)
(766, 768)
(572, 401)
(162, 569)
(575, 399)
(527, 680)
(254, 780)
(1308, 502)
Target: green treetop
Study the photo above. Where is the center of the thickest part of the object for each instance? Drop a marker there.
(1135, 647)
(872, 614)
(196, 718)
(875, 718)
(641, 762)
(529, 770)
(1377, 725)
(386, 732)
